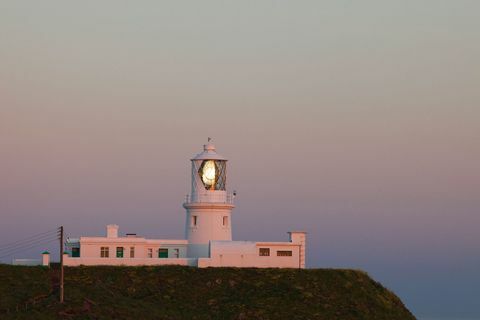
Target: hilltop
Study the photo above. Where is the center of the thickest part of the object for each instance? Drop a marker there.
(174, 292)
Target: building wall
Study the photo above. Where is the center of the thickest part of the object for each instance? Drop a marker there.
(90, 247)
(73, 262)
(299, 237)
(217, 253)
(198, 250)
(246, 254)
(140, 251)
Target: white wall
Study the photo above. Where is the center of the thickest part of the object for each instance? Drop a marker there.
(69, 261)
(246, 254)
(90, 247)
(299, 237)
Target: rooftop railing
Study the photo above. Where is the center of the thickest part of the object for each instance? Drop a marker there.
(210, 198)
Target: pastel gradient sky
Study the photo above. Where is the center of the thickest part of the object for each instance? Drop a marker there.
(357, 121)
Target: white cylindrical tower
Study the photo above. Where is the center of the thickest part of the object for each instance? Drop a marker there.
(209, 206)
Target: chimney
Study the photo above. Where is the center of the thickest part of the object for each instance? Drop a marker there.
(112, 231)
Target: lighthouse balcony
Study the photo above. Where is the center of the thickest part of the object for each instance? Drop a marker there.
(210, 197)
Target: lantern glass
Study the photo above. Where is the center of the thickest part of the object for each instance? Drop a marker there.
(212, 174)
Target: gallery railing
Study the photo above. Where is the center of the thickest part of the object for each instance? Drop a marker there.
(213, 197)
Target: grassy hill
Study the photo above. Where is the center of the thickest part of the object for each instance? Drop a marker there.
(190, 293)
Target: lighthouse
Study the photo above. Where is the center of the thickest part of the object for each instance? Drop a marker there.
(208, 232)
(209, 206)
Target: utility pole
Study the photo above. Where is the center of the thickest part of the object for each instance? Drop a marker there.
(61, 264)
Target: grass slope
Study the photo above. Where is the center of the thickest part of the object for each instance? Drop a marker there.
(175, 292)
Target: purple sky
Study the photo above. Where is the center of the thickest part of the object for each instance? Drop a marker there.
(356, 121)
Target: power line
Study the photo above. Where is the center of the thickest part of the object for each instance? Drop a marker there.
(29, 238)
(39, 242)
(38, 238)
(27, 242)
(32, 236)
(26, 248)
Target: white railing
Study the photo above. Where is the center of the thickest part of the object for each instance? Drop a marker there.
(210, 198)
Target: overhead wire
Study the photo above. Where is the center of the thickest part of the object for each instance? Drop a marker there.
(29, 238)
(30, 242)
(27, 248)
(20, 247)
(27, 242)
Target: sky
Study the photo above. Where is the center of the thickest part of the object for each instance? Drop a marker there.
(357, 121)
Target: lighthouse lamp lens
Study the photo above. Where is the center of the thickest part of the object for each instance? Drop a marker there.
(208, 173)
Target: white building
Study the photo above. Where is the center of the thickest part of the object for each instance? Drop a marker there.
(208, 233)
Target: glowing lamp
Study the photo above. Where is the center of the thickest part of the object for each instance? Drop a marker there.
(209, 173)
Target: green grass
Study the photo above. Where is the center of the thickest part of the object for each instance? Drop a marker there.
(175, 292)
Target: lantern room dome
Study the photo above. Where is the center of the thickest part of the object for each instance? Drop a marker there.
(209, 153)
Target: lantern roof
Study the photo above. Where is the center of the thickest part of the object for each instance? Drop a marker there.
(209, 152)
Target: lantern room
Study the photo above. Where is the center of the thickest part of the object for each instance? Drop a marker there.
(209, 176)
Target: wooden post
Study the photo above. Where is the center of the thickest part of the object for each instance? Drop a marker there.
(61, 264)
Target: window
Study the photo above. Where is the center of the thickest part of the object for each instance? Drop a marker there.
(163, 253)
(119, 252)
(225, 221)
(264, 252)
(194, 221)
(132, 252)
(75, 252)
(176, 253)
(150, 253)
(213, 174)
(284, 253)
(104, 252)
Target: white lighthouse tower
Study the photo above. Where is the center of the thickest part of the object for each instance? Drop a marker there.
(209, 206)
